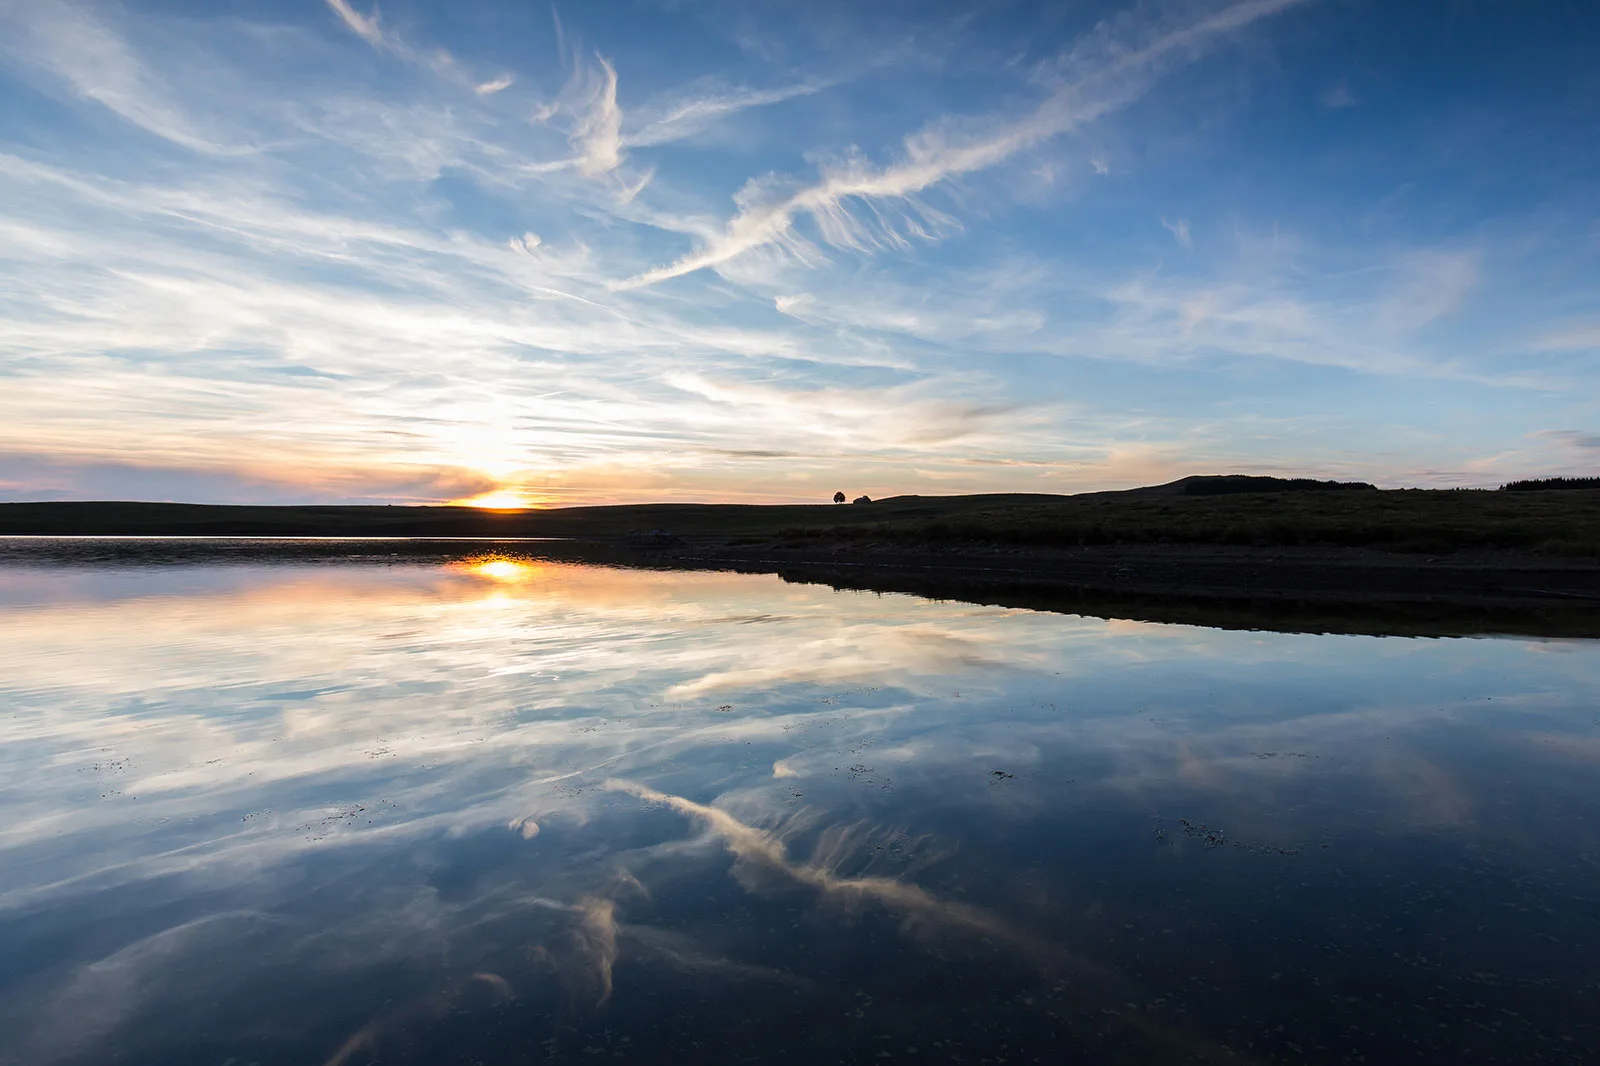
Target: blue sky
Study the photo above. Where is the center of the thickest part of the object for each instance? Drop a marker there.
(611, 251)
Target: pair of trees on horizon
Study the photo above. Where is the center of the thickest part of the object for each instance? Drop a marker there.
(839, 497)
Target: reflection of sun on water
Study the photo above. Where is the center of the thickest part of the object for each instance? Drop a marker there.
(508, 571)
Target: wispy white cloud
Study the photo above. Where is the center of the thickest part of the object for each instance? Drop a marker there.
(597, 134)
(367, 27)
(853, 418)
(489, 88)
(1179, 230)
(694, 113)
(1576, 338)
(1572, 438)
(449, 307)
(370, 28)
(1107, 78)
(1268, 310)
(630, 191)
(98, 65)
(1430, 286)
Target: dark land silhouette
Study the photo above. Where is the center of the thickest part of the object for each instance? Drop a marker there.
(1221, 510)
(1233, 550)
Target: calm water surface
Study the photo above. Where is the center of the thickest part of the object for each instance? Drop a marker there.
(509, 812)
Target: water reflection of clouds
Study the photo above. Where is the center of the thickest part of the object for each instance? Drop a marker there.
(758, 851)
(101, 996)
(306, 674)
(222, 732)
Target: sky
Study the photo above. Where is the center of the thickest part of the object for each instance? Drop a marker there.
(286, 251)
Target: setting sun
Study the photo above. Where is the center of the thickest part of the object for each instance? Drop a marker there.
(497, 500)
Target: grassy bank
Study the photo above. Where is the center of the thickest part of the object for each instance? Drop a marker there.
(1407, 520)
(1403, 520)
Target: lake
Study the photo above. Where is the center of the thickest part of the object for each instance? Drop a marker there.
(267, 807)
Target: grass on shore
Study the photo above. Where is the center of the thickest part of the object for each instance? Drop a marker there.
(1402, 520)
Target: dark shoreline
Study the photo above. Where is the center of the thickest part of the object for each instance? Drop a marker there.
(1283, 589)
(1315, 590)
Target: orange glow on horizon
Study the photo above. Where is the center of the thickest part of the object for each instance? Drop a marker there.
(497, 500)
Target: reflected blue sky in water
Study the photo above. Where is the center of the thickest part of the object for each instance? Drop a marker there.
(447, 813)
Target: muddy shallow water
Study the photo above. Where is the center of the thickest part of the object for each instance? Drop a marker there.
(485, 810)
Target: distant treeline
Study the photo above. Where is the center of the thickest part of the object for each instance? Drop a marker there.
(1535, 484)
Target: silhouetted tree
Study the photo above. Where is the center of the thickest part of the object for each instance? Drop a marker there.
(838, 497)
(862, 499)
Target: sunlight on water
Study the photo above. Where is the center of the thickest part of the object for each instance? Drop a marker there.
(507, 570)
(504, 810)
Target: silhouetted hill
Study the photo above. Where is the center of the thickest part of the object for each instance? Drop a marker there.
(1231, 484)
